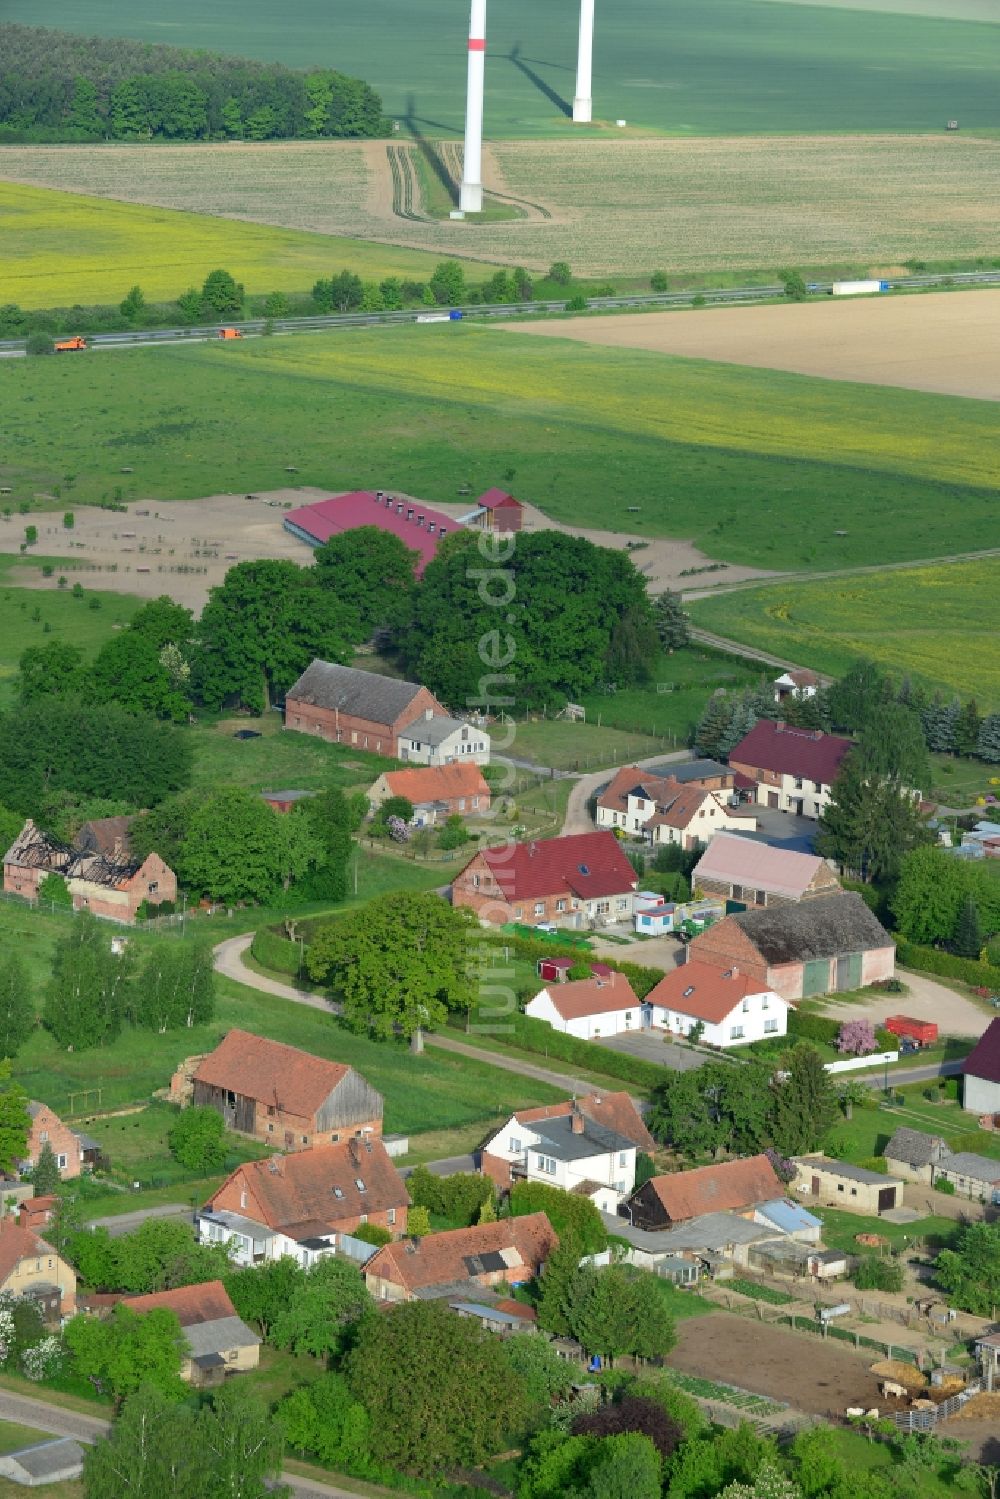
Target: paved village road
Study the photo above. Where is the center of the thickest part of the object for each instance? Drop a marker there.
(229, 961)
(123, 1223)
(27, 1411)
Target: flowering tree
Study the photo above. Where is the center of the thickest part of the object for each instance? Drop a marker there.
(397, 830)
(856, 1038)
(781, 1165)
(43, 1359)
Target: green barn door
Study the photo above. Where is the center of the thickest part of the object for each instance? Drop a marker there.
(849, 971)
(815, 977)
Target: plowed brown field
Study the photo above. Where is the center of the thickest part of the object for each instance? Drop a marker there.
(946, 341)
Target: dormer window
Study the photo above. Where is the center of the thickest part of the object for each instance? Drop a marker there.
(338, 1192)
(360, 1184)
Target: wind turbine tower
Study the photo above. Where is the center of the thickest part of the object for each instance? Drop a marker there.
(470, 198)
(583, 104)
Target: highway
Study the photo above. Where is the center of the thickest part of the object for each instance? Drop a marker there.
(652, 301)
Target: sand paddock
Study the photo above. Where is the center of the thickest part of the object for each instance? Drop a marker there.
(947, 342)
(185, 547)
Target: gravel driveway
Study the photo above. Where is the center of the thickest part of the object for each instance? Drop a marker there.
(956, 1014)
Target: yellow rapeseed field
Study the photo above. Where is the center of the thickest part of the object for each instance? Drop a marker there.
(58, 249)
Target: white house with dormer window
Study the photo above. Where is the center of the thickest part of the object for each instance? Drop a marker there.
(732, 1008)
(570, 1151)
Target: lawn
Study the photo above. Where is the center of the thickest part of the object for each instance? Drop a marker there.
(434, 1091)
(840, 1230)
(580, 746)
(931, 623)
(958, 783)
(34, 617)
(280, 759)
(869, 1131)
(755, 466)
(711, 66)
(13, 1436)
(61, 249)
(137, 1147)
(674, 698)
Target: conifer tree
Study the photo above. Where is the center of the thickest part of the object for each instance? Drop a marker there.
(967, 941)
(988, 747)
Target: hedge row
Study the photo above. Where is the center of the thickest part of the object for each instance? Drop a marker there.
(277, 953)
(930, 960)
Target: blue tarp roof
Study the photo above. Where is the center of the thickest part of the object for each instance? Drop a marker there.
(788, 1216)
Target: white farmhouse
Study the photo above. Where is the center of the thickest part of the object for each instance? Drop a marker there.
(589, 1008)
(569, 1150)
(733, 1008)
(434, 739)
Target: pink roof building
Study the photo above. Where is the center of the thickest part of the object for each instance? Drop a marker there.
(417, 525)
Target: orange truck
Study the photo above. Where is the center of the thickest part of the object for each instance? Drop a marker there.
(230, 333)
(64, 345)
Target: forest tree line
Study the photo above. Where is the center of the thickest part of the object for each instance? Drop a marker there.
(59, 87)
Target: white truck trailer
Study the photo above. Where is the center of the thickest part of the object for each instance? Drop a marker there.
(857, 288)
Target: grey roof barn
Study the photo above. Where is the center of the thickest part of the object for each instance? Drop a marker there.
(363, 694)
(819, 928)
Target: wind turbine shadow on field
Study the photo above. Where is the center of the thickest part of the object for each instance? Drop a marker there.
(563, 105)
(426, 147)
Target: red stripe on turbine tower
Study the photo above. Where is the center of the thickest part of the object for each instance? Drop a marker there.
(470, 197)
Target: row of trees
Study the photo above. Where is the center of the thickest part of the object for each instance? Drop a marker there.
(57, 86)
(93, 993)
(746, 1109)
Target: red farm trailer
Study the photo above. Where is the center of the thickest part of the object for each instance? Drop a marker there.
(924, 1032)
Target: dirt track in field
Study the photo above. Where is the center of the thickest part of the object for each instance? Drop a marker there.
(948, 342)
(822, 1378)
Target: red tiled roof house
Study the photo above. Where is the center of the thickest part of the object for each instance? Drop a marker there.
(111, 885)
(794, 768)
(31, 1267)
(510, 1252)
(284, 1096)
(678, 1196)
(436, 791)
(218, 1342)
(733, 1008)
(579, 881)
(298, 1204)
(665, 809)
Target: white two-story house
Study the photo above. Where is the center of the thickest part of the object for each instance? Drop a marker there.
(571, 1151)
(436, 740)
(732, 1008)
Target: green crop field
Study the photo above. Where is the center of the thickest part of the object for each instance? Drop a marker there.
(938, 624)
(62, 248)
(755, 466)
(693, 67)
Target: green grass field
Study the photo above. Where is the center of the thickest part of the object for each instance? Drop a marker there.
(433, 1091)
(279, 759)
(755, 466)
(30, 616)
(61, 249)
(932, 623)
(704, 66)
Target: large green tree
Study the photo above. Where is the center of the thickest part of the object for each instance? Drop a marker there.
(129, 1350)
(438, 1388)
(891, 746)
(714, 1106)
(129, 670)
(153, 1450)
(325, 1306)
(261, 628)
(543, 613)
(371, 574)
(159, 1255)
(672, 621)
(970, 1272)
(89, 749)
(197, 1139)
(55, 669)
(573, 1218)
(870, 823)
(88, 994)
(17, 1008)
(400, 965)
(176, 987)
(243, 1445)
(15, 1121)
(329, 819)
(235, 848)
(805, 1101)
(859, 696)
(260, 1293)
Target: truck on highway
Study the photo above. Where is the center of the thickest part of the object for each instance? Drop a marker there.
(858, 288)
(64, 345)
(230, 333)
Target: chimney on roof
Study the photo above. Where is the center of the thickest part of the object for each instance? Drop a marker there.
(576, 1120)
(531, 850)
(379, 496)
(275, 1165)
(428, 713)
(779, 726)
(118, 851)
